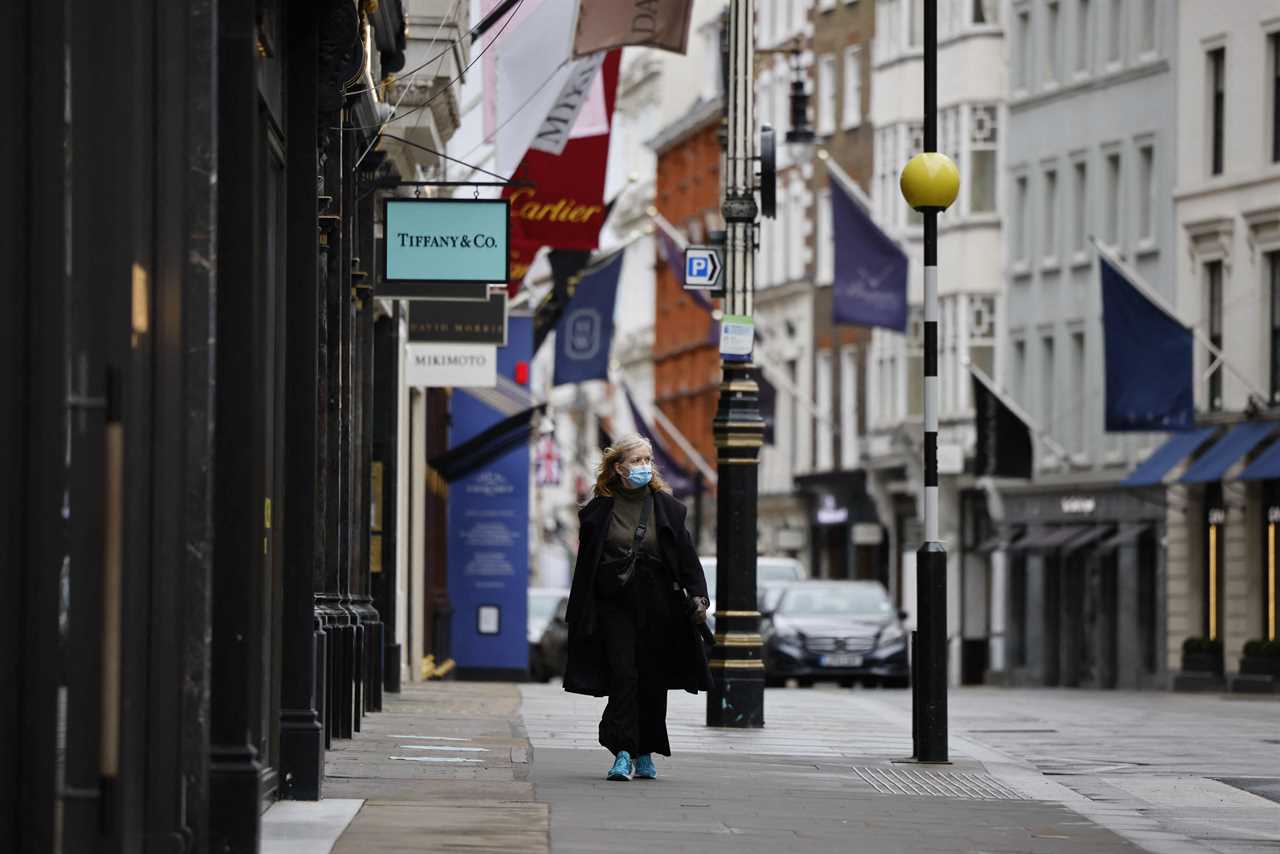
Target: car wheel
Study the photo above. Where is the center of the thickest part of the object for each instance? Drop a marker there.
(846, 683)
(775, 682)
(804, 683)
(896, 682)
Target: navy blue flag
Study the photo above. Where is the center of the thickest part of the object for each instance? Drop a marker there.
(870, 286)
(1148, 360)
(584, 333)
(682, 483)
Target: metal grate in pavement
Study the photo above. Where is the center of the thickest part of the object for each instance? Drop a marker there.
(938, 784)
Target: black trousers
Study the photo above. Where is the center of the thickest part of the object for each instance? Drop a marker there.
(635, 719)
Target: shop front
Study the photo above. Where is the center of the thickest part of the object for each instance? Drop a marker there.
(846, 538)
(1084, 586)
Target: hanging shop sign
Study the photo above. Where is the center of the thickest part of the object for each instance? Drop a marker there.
(434, 242)
(460, 322)
(451, 365)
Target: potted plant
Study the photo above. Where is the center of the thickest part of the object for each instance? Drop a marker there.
(1261, 658)
(1202, 655)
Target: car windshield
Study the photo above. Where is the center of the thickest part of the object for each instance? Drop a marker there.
(768, 570)
(864, 600)
(542, 605)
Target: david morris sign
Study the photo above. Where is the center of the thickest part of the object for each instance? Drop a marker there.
(446, 240)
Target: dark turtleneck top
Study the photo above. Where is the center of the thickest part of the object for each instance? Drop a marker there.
(627, 504)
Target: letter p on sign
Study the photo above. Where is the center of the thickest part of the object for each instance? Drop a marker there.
(702, 267)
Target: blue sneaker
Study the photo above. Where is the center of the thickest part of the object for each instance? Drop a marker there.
(645, 769)
(622, 767)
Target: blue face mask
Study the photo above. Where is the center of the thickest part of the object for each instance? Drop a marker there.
(639, 476)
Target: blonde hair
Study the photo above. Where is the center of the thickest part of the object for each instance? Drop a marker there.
(606, 471)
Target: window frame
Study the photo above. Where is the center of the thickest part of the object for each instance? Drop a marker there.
(1215, 297)
(851, 100)
(1216, 106)
(827, 100)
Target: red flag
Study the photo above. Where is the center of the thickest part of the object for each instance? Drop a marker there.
(558, 200)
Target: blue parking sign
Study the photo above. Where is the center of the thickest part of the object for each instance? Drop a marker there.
(702, 267)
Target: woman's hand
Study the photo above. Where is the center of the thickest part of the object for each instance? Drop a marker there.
(700, 605)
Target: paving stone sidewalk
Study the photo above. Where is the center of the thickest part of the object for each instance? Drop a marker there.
(444, 767)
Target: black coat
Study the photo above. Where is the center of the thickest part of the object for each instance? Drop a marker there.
(587, 670)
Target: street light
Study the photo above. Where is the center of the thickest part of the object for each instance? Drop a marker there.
(930, 182)
(736, 698)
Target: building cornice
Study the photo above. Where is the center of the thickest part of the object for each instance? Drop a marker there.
(1148, 68)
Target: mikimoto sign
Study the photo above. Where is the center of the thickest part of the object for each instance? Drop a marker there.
(446, 240)
(451, 365)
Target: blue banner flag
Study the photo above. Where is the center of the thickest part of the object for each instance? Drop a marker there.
(870, 285)
(584, 333)
(1148, 359)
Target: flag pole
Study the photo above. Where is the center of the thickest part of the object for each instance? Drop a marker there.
(1159, 302)
(665, 224)
(859, 195)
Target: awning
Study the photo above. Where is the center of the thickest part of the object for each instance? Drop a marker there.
(1127, 533)
(1176, 448)
(1265, 467)
(1047, 538)
(1228, 450)
(1087, 537)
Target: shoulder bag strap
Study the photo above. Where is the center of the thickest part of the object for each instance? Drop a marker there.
(643, 527)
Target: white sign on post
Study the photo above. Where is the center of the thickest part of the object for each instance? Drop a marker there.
(450, 365)
(737, 335)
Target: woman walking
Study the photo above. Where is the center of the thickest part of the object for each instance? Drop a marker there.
(637, 607)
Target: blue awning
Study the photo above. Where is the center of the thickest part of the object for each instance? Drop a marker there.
(1265, 467)
(1240, 440)
(1176, 448)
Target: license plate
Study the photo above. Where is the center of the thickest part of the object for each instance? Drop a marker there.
(845, 660)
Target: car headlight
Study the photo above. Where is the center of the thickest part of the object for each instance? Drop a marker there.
(890, 634)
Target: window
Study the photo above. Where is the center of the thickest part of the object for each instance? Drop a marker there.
(1052, 36)
(1146, 194)
(1050, 246)
(1018, 382)
(826, 95)
(1020, 219)
(1022, 48)
(825, 241)
(795, 232)
(852, 107)
(1111, 216)
(983, 133)
(1077, 402)
(1273, 274)
(1079, 206)
(849, 408)
(1115, 32)
(1217, 107)
(1084, 44)
(1213, 274)
(986, 11)
(1048, 399)
(1274, 42)
(915, 22)
(826, 431)
(1147, 27)
(793, 418)
(712, 77)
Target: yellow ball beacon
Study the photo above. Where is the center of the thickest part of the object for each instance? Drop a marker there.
(930, 180)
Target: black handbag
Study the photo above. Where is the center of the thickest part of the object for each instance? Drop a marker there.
(618, 569)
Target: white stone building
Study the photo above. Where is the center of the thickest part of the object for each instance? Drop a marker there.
(1227, 268)
(972, 89)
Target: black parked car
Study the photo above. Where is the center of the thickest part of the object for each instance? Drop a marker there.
(545, 604)
(842, 631)
(548, 656)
